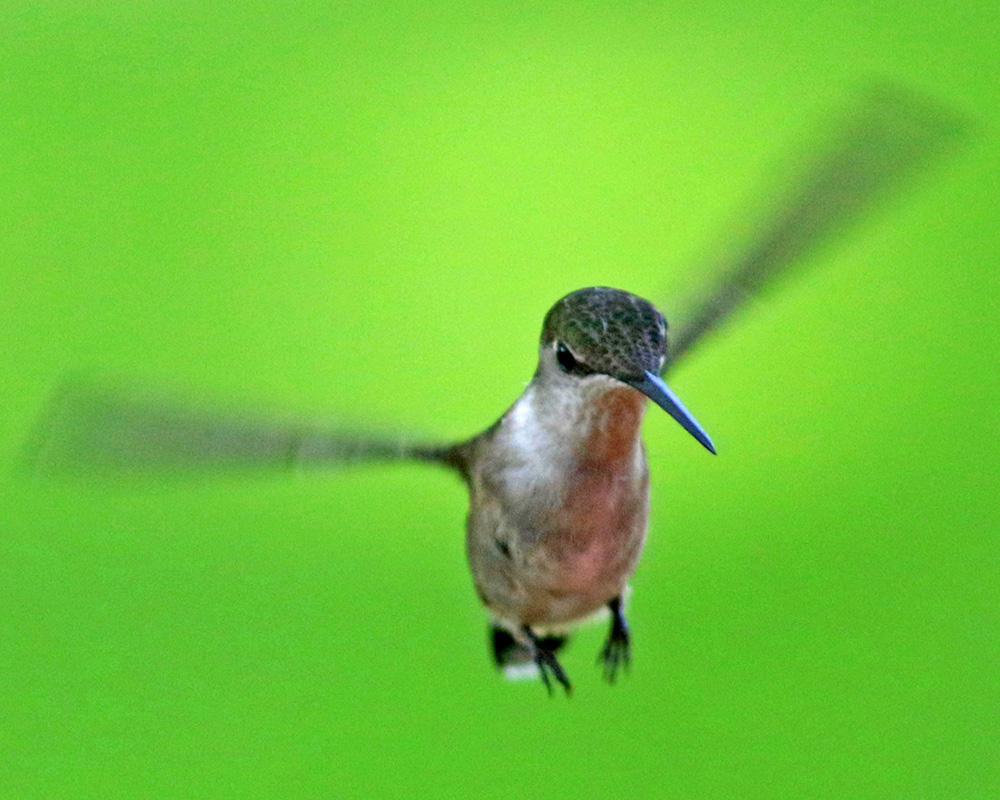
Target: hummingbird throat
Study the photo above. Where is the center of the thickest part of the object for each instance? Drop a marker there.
(610, 424)
(595, 427)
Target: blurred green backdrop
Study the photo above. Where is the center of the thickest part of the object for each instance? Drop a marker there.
(364, 211)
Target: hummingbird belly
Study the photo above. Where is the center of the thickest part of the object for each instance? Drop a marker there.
(587, 557)
(555, 529)
(562, 563)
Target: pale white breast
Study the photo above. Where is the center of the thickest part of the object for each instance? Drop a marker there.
(543, 433)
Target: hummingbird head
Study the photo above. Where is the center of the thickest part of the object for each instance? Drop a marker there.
(603, 331)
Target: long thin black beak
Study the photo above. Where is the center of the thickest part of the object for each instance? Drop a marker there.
(655, 389)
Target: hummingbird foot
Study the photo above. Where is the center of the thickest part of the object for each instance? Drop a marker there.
(546, 661)
(617, 650)
(512, 656)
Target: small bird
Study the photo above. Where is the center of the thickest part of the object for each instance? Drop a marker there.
(559, 484)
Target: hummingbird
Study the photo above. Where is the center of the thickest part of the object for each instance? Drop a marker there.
(559, 487)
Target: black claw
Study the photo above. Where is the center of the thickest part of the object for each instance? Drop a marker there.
(617, 651)
(508, 651)
(545, 659)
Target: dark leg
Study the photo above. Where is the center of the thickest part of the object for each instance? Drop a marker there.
(507, 651)
(617, 650)
(546, 660)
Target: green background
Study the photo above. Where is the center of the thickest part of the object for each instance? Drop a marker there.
(364, 212)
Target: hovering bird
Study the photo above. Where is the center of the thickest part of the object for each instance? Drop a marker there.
(559, 484)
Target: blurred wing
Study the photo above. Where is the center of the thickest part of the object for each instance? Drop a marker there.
(92, 428)
(887, 137)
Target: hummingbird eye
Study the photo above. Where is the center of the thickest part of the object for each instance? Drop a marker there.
(567, 361)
